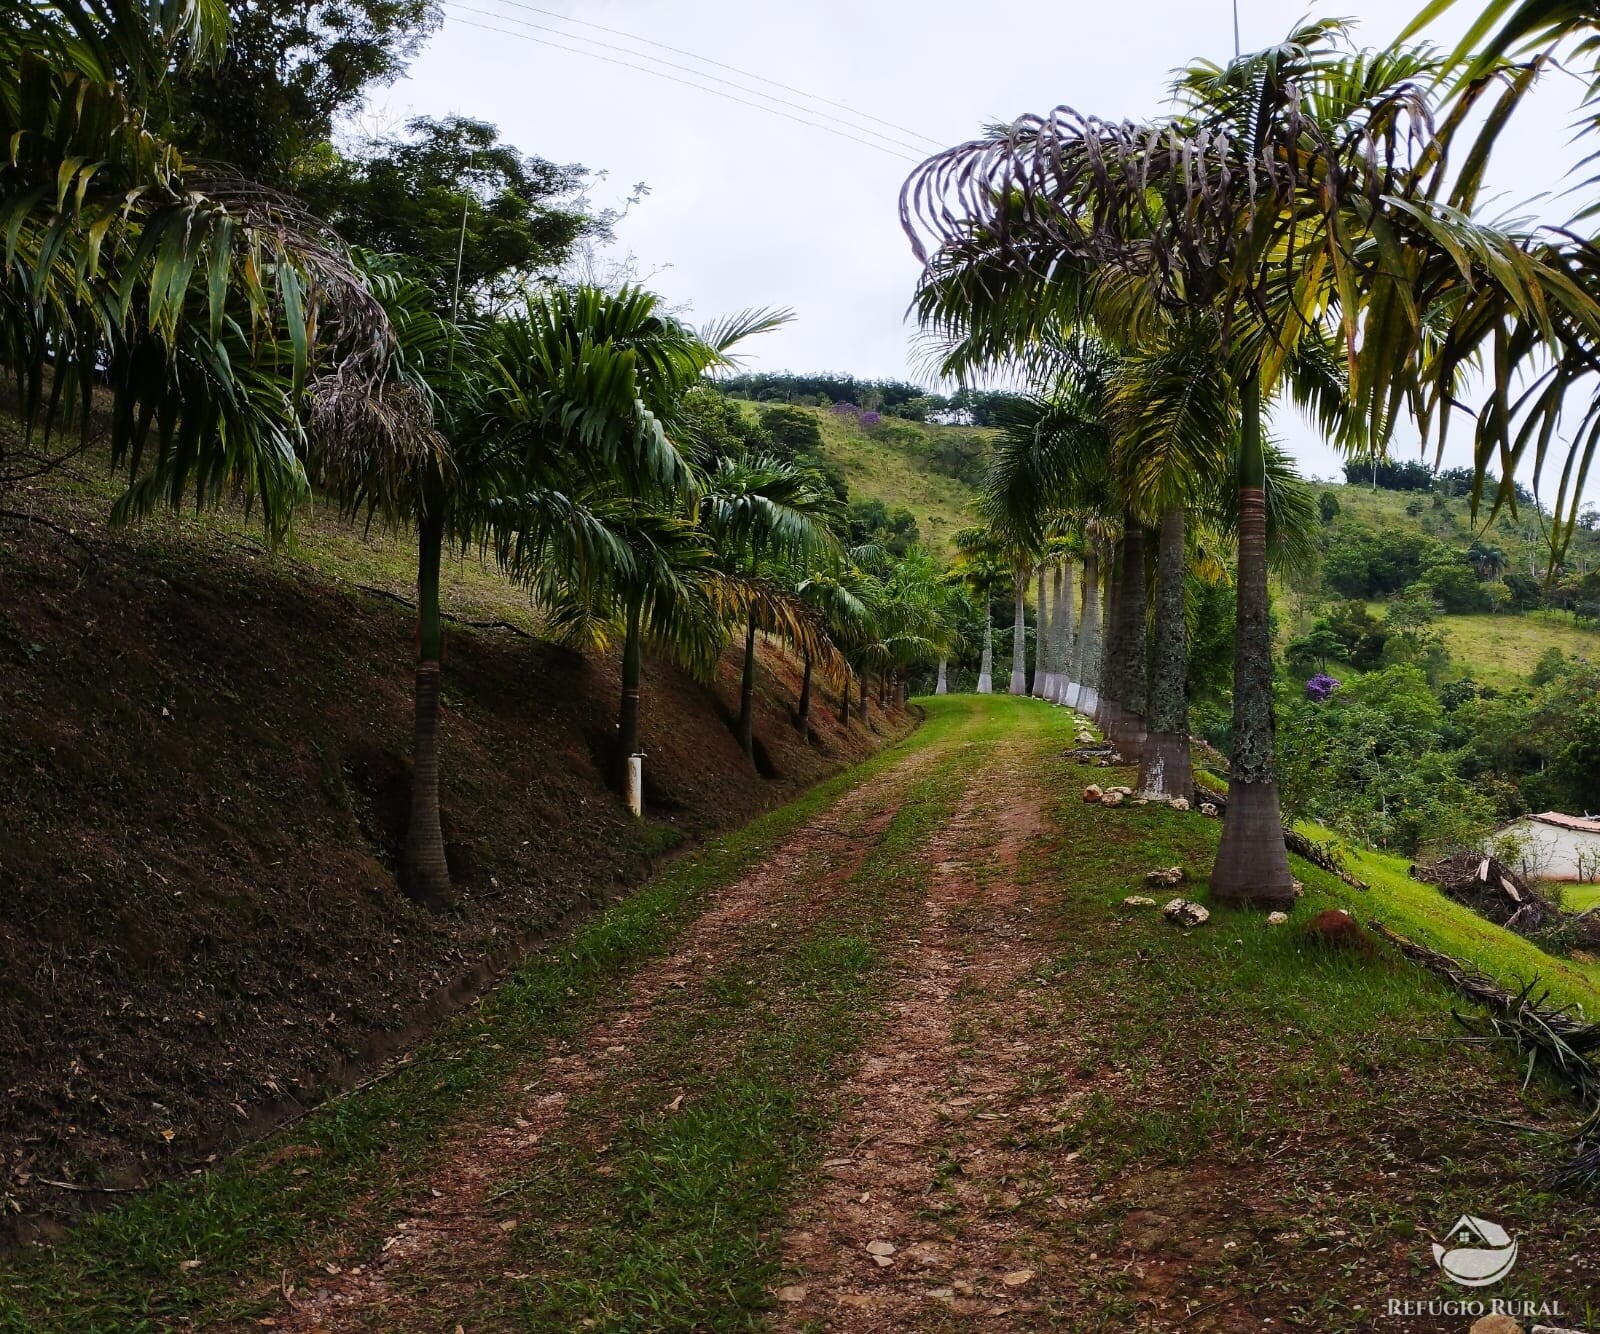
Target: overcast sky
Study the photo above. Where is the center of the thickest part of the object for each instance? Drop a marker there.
(748, 208)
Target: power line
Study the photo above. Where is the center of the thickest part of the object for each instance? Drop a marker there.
(697, 73)
(881, 147)
(690, 70)
(734, 69)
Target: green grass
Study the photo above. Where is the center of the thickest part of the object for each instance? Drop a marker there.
(120, 1270)
(1580, 898)
(1421, 912)
(1316, 1100)
(1502, 650)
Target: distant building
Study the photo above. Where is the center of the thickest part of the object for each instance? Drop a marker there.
(1559, 847)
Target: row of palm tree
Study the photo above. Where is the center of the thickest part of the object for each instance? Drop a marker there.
(245, 353)
(1296, 231)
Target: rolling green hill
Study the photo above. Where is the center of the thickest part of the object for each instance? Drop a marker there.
(1502, 563)
(928, 469)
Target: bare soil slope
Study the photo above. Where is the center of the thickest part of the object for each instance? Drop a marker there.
(205, 761)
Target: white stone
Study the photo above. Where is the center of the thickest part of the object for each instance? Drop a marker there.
(1184, 913)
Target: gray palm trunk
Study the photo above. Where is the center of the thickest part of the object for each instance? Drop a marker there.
(1132, 648)
(1165, 767)
(1019, 637)
(1252, 866)
(1055, 675)
(943, 688)
(1041, 641)
(986, 664)
(1105, 713)
(1066, 679)
(1088, 657)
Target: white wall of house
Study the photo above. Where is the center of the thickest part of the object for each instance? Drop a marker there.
(1557, 854)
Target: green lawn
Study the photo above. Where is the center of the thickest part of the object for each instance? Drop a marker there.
(1425, 915)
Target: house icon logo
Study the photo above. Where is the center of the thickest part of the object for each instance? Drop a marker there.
(1482, 1253)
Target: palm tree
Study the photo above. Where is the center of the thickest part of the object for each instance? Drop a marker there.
(835, 595)
(1549, 347)
(758, 512)
(1263, 206)
(546, 420)
(201, 304)
(981, 568)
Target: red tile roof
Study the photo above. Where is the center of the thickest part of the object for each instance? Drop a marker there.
(1581, 824)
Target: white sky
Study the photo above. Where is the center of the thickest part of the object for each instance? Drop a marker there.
(749, 209)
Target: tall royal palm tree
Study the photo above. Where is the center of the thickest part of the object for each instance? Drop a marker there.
(981, 568)
(1292, 199)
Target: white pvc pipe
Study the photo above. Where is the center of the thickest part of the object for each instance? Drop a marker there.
(636, 784)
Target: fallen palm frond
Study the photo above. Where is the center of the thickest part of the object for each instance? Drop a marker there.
(1560, 1038)
(1318, 854)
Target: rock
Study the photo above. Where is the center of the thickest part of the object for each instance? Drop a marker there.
(1277, 918)
(1180, 803)
(1126, 791)
(1017, 1277)
(1105, 764)
(1111, 799)
(1139, 801)
(1173, 875)
(880, 1248)
(1300, 890)
(1092, 793)
(1335, 929)
(1085, 738)
(1116, 757)
(1495, 1324)
(1184, 913)
(795, 1292)
(1138, 901)
(1208, 808)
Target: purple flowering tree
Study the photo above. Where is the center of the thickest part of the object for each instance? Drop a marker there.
(1321, 687)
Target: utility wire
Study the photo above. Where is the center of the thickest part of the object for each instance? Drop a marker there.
(697, 73)
(734, 69)
(881, 147)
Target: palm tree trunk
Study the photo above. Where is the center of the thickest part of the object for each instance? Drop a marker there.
(943, 688)
(986, 664)
(632, 670)
(1252, 866)
(1041, 641)
(1106, 714)
(1165, 769)
(1089, 636)
(1066, 685)
(1134, 672)
(802, 712)
(424, 873)
(747, 693)
(1019, 635)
